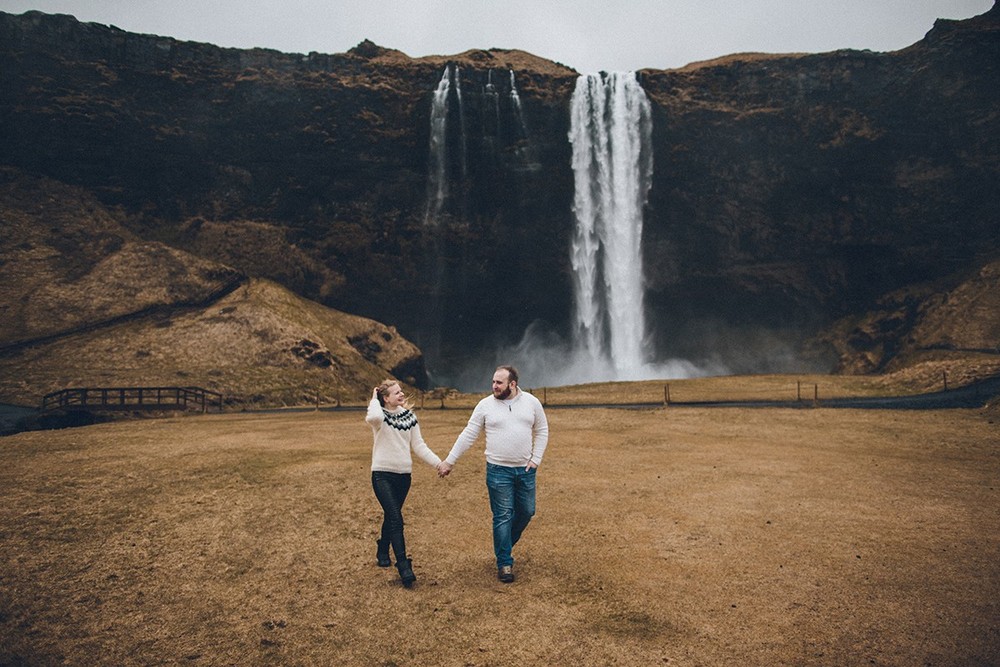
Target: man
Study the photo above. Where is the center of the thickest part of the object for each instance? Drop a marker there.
(516, 435)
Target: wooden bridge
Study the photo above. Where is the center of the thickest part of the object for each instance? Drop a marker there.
(132, 398)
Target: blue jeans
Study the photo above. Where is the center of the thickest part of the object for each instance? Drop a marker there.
(512, 500)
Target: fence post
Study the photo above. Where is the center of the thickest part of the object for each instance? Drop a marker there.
(815, 394)
(798, 390)
(944, 375)
(666, 394)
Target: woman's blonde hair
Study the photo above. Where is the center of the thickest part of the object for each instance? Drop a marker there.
(383, 391)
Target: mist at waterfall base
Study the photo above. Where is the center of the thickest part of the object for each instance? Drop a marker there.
(545, 359)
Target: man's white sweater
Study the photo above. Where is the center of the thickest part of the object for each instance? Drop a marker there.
(396, 433)
(516, 431)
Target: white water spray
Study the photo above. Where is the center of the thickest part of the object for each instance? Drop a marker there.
(611, 129)
(437, 172)
(490, 92)
(461, 120)
(514, 97)
(515, 100)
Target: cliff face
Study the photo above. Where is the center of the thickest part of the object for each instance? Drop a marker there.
(788, 191)
(814, 184)
(329, 152)
(83, 302)
(68, 265)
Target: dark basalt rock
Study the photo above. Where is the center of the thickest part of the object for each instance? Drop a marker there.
(789, 191)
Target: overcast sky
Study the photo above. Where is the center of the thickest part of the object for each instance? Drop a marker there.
(587, 35)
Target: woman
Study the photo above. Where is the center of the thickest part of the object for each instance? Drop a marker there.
(396, 432)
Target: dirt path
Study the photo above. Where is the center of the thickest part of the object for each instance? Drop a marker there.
(678, 536)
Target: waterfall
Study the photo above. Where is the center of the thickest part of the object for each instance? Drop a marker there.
(461, 121)
(515, 100)
(612, 161)
(514, 97)
(437, 172)
(491, 94)
(611, 126)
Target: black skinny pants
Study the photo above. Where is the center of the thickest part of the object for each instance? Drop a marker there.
(391, 489)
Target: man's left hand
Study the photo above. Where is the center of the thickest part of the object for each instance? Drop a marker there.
(531, 466)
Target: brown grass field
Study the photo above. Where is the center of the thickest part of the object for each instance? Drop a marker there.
(679, 536)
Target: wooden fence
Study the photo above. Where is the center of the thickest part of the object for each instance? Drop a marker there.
(132, 398)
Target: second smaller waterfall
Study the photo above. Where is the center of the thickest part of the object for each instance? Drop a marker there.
(515, 101)
(437, 169)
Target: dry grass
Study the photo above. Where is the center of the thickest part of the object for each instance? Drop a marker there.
(251, 345)
(805, 388)
(667, 536)
(728, 388)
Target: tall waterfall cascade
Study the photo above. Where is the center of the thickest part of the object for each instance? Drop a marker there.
(610, 132)
(612, 162)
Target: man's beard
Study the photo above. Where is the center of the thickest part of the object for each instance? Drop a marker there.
(503, 395)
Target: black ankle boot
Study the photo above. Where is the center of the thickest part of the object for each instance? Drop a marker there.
(382, 554)
(405, 567)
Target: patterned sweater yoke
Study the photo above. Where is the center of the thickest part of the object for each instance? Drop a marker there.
(396, 433)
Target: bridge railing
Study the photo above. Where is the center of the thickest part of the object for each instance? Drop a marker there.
(132, 398)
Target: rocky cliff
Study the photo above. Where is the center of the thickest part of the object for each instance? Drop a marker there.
(83, 302)
(792, 186)
(325, 153)
(789, 191)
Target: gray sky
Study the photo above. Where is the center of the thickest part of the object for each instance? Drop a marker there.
(584, 34)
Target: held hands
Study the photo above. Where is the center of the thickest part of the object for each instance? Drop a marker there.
(444, 468)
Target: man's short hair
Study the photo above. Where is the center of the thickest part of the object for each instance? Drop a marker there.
(511, 372)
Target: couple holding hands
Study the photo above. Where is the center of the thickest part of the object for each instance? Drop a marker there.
(516, 435)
